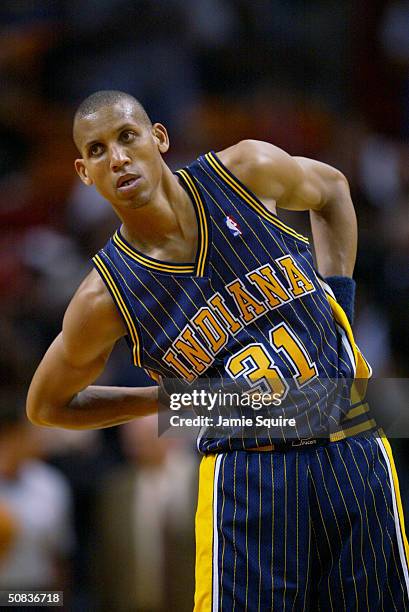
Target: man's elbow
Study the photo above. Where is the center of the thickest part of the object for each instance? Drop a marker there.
(40, 413)
(36, 415)
(340, 185)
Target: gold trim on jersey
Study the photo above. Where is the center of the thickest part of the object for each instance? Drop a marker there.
(133, 334)
(357, 411)
(248, 197)
(202, 222)
(368, 425)
(362, 373)
(341, 318)
(147, 262)
(152, 374)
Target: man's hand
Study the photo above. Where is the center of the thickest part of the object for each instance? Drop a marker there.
(299, 183)
(60, 394)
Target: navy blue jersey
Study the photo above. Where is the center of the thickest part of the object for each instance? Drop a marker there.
(250, 309)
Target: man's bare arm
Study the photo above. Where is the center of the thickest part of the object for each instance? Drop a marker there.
(60, 394)
(298, 183)
(333, 219)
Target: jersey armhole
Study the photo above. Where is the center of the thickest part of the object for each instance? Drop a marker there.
(108, 279)
(247, 196)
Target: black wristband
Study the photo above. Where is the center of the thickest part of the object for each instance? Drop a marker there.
(344, 291)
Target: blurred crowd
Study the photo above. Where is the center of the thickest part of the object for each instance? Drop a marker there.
(108, 516)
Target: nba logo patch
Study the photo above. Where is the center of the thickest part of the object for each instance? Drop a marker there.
(233, 226)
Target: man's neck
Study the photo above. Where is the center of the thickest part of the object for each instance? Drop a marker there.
(162, 227)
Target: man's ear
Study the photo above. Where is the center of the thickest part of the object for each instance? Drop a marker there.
(82, 172)
(161, 136)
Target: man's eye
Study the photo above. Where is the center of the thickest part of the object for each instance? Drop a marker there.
(95, 149)
(127, 136)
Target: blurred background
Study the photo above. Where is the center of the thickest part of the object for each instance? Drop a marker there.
(108, 516)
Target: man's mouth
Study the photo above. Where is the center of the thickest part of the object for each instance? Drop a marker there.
(127, 182)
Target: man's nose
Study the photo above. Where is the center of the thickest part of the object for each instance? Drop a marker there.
(119, 158)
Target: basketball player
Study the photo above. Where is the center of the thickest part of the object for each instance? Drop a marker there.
(206, 282)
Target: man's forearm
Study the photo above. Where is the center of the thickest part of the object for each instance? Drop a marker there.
(96, 407)
(334, 230)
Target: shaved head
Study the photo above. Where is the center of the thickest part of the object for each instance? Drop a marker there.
(115, 137)
(105, 98)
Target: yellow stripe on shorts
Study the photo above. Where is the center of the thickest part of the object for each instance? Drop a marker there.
(397, 505)
(204, 533)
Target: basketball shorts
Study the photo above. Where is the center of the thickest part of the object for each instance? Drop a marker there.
(318, 528)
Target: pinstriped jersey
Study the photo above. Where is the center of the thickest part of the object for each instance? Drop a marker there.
(250, 309)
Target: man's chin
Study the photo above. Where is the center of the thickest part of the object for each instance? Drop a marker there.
(134, 203)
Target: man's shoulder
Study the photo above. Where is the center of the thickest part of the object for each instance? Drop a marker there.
(265, 168)
(92, 294)
(247, 152)
(93, 306)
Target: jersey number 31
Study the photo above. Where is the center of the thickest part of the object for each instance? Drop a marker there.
(255, 365)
